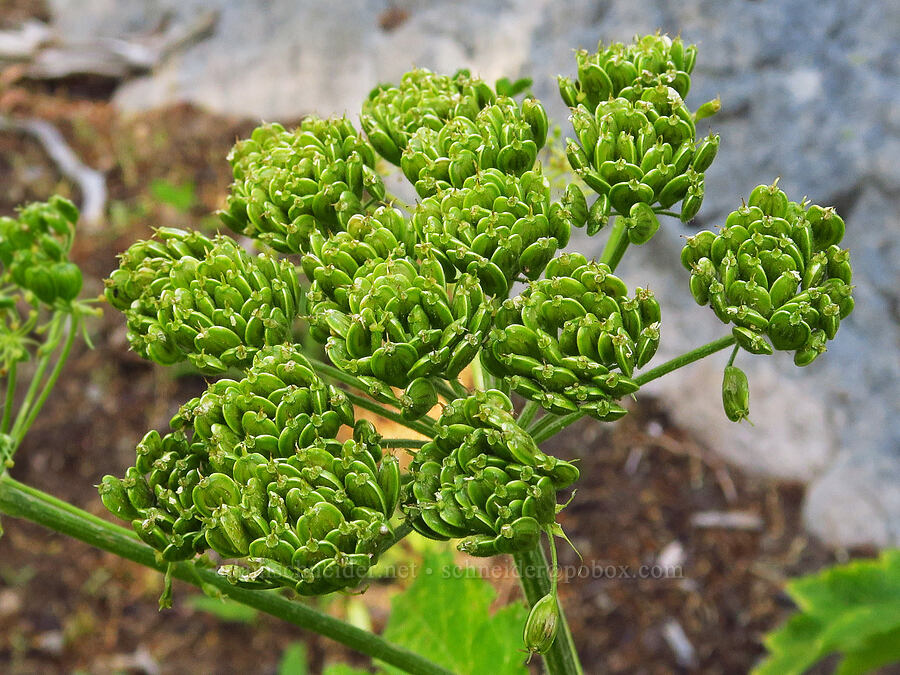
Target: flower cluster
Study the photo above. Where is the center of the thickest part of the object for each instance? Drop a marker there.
(263, 479)
(774, 271)
(572, 340)
(484, 480)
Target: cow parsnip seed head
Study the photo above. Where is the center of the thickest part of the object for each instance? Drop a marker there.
(403, 298)
(775, 271)
(253, 471)
(483, 480)
(34, 256)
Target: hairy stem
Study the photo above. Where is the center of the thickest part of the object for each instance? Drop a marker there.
(616, 245)
(21, 501)
(562, 658)
(685, 359)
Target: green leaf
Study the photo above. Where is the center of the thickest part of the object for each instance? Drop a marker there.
(445, 614)
(182, 197)
(344, 669)
(852, 610)
(222, 608)
(293, 660)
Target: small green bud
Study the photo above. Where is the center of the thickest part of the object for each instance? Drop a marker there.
(735, 394)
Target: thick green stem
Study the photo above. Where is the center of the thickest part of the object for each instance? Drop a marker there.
(424, 425)
(444, 389)
(685, 359)
(21, 501)
(616, 245)
(477, 373)
(459, 388)
(562, 658)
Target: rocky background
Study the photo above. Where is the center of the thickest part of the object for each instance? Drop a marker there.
(810, 92)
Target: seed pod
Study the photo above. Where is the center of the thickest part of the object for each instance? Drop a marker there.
(542, 625)
(735, 394)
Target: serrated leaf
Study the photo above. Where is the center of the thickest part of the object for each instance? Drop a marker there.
(852, 609)
(445, 616)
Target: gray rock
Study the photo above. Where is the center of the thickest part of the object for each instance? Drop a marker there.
(810, 93)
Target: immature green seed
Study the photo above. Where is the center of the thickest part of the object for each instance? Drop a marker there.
(735, 394)
(542, 625)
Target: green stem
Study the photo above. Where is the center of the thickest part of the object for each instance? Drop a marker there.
(20, 432)
(10, 398)
(562, 658)
(393, 200)
(663, 212)
(424, 426)
(527, 415)
(459, 388)
(616, 245)
(477, 373)
(685, 359)
(48, 348)
(401, 443)
(46, 351)
(444, 389)
(734, 353)
(20, 501)
(338, 375)
(543, 422)
(555, 427)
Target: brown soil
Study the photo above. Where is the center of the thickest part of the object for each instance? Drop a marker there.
(65, 607)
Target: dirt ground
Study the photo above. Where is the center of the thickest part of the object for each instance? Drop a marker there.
(66, 608)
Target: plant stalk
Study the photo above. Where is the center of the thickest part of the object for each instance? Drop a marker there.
(22, 501)
(555, 427)
(424, 426)
(685, 359)
(562, 658)
(616, 245)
